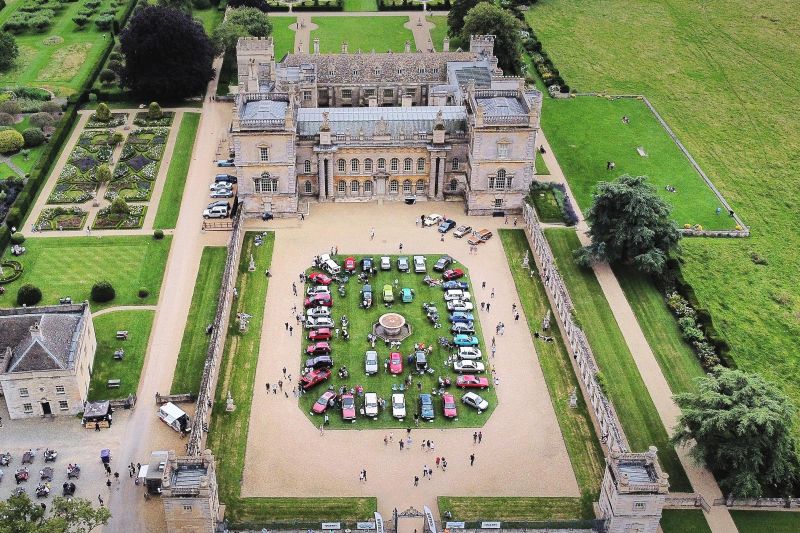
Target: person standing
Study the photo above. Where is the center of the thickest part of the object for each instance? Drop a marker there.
(471, 459)
(480, 437)
(416, 483)
(475, 438)
(294, 288)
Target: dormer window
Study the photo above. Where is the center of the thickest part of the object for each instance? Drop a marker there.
(377, 71)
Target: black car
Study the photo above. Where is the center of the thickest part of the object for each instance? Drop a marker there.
(442, 264)
(366, 265)
(446, 225)
(322, 361)
(426, 411)
(226, 178)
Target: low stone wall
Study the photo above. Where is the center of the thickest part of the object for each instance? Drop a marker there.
(602, 409)
(760, 503)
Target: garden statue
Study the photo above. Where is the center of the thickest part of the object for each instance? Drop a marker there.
(526, 260)
(573, 398)
(229, 405)
(252, 266)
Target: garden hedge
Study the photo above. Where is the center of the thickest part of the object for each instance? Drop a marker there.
(29, 295)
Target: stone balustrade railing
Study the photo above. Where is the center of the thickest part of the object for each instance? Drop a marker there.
(602, 409)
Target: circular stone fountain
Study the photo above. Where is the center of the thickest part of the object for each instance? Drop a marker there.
(392, 327)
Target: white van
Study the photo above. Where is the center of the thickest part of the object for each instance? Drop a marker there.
(217, 211)
(174, 417)
(329, 265)
(419, 264)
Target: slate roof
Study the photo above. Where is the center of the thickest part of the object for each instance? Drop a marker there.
(51, 349)
(500, 106)
(264, 109)
(388, 120)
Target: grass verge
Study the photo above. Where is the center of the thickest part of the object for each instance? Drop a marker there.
(766, 521)
(541, 166)
(170, 204)
(622, 382)
(439, 31)
(364, 33)
(283, 36)
(191, 358)
(684, 520)
(469, 509)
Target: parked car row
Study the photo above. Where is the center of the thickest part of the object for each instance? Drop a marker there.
(221, 187)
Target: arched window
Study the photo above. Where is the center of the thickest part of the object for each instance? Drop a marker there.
(381, 164)
(395, 164)
(420, 186)
(354, 165)
(407, 186)
(307, 166)
(307, 187)
(501, 173)
(407, 163)
(453, 185)
(341, 165)
(266, 183)
(342, 187)
(500, 180)
(421, 164)
(368, 165)
(454, 163)
(393, 186)
(354, 186)
(367, 187)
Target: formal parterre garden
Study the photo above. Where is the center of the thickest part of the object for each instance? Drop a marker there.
(77, 181)
(350, 353)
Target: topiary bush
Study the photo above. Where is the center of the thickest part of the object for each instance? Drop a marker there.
(154, 111)
(42, 120)
(103, 113)
(29, 295)
(33, 137)
(103, 291)
(11, 141)
(107, 76)
(158, 234)
(104, 22)
(17, 238)
(144, 292)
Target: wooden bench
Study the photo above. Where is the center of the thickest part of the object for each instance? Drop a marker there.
(113, 383)
(122, 335)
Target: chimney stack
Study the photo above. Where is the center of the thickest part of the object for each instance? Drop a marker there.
(316, 45)
(344, 47)
(446, 45)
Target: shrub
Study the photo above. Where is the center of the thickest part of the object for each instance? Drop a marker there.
(103, 173)
(6, 119)
(11, 141)
(115, 66)
(17, 238)
(103, 113)
(41, 21)
(104, 22)
(80, 20)
(107, 76)
(33, 137)
(52, 107)
(14, 217)
(11, 107)
(158, 234)
(29, 295)
(120, 206)
(117, 137)
(92, 4)
(154, 111)
(42, 120)
(144, 292)
(8, 49)
(115, 56)
(103, 291)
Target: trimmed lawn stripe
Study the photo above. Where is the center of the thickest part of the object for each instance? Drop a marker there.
(439, 32)
(364, 33)
(282, 36)
(360, 5)
(684, 520)
(541, 166)
(468, 509)
(766, 521)
(621, 378)
(192, 357)
(170, 204)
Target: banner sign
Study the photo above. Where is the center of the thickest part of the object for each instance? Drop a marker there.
(331, 525)
(378, 523)
(490, 525)
(429, 520)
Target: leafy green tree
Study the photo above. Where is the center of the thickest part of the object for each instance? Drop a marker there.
(103, 174)
(103, 113)
(8, 50)
(11, 141)
(742, 428)
(103, 291)
(457, 14)
(33, 137)
(80, 21)
(240, 22)
(107, 76)
(74, 515)
(120, 206)
(181, 5)
(489, 19)
(154, 111)
(629, 224)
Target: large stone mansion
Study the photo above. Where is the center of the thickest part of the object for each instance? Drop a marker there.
(365, 126)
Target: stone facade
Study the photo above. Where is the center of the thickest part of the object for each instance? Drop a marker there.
(46, 358)
(633, 492)
(368, 126)
(189, 494)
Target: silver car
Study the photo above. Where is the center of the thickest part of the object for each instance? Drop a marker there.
(386, 263)
(468, 366)
(469, 352)
(398, 406)
(371, 362)
(320, 322)
(317, 312)
(419, 264)
(475, 401)
(402, 264)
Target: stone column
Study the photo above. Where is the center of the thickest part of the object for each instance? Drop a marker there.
(321, 177)
(432, 180)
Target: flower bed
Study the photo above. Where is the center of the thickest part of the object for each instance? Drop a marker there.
(105, 219)
(131, 191)
(85, 158)
(141, 155)
(165, 120)
(117, 119)
(11, 271)
(61, 218)
(72, 193)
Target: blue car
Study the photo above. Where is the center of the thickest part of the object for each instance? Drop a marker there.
(446, 225)
(454, 284)
(225, 163)
(461, 316)
(465, 340)
(426, 411)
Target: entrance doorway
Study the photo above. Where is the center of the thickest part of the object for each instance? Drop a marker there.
(46, 409)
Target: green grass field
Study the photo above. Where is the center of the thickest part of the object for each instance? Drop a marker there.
(191, 358)
(576, 426)
(283, 37)
(704, 67)
(6, 172)
(129, 368)
(439, 32)
(26, 163)
(549, 205)
(766, 521)
(209, 18)
(468, 509)
(364, 33)
(586, 132)
(623, 384)
(69, 266)
(61, 67)
(541, 166)
(228, 431)
(170, 204)
(360, 5)
(351, 353)
(684, 520)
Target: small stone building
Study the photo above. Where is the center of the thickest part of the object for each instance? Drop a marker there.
(189, 493)
(46, 358)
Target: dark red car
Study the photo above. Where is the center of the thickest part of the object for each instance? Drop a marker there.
(318, 348)
(350, 264)
(453, 273)
(348, 407)
(318, 300)
(314, 377)
(449, 405)
(319, 278)
(472, 382)
(324, 401)
(320, 334)
(395, 363)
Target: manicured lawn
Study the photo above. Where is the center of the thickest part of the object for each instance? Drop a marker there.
(439, 32)
(129, 368)
(549, 205)
(766, 521)
(209, 18)
(360, 5)
(364, 33)
(69, 266)
(676, 359)
(350, 353)
(228, 431)
(468, 509)
(26, 163)
(5, 171)
(586, 132)
(703, 66)
(191, 358)
(282, 36)
(541, 166)
(684, 520)
(170, 204)
(623, 384)
(576, 426)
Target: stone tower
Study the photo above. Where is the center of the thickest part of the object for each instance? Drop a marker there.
(255, 61)
(633, 492)
(189, 494)
(482, 45)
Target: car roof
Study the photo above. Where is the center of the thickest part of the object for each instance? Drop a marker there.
(370, 395)
(425, 397)
(398, 396)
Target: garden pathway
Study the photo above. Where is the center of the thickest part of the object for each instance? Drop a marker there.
(701, 478)
(123, 308)
(302, 33)
(7, 160)
(421, 29)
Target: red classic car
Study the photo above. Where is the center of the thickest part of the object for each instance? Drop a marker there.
(317, 300)
(319, 278)
(449, 405)
(470, 381)
(320, 334)
(318, 348)
(324, 401)
(453, 273)
(348, 407)
(314, 377)
(350, 264)
(395, 363)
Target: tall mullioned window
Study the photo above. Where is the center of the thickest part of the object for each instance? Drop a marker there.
(263, 153)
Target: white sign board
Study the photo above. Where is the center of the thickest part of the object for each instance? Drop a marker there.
(454, 525)
(331, 525)
(490, 525)
(365, 526)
